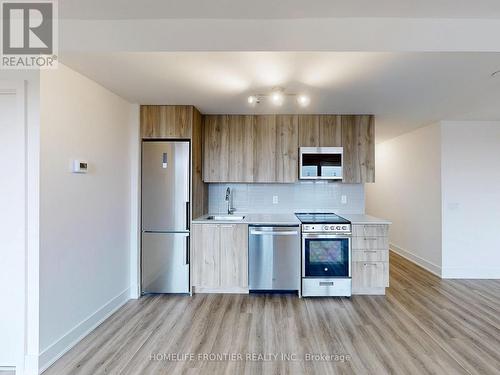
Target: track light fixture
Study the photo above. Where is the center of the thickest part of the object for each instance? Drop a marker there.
(277, 97)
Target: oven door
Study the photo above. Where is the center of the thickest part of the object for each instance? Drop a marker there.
(326, 255)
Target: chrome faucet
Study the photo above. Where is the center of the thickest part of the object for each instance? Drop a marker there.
(230, 210)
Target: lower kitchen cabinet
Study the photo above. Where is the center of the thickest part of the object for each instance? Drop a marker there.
(205, 255)
(370, 277)
(219, 258)
(370, 258)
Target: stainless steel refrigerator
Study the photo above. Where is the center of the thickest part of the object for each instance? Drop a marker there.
(165, 216)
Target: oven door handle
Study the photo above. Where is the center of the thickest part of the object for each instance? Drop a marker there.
(282, 233)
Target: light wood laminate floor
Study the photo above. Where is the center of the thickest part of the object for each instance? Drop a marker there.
(423, 325)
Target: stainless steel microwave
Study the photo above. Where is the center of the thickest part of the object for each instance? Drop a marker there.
(321, 163)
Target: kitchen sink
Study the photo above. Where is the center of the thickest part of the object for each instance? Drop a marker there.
(225, 217)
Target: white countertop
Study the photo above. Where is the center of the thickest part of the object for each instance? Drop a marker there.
(288, 219)
(262, 219)
(364, 219)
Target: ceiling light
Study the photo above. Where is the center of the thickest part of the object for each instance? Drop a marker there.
(252, 99)
(277, 97)
(303, 100)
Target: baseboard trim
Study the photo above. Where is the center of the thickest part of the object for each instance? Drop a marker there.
(471, 273)
(31, 364)
(82, 329)
(234, 290)
(425, 264)
(368, 292)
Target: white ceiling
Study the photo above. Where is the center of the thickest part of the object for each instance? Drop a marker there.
(404, 90)
(266, 9)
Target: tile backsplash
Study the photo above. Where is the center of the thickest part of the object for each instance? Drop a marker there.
(301, 196)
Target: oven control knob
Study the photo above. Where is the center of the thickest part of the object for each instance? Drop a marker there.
(332, 227)
(325, 227)
(338, 227)
(344, 227)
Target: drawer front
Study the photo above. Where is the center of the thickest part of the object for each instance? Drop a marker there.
(370, 255)
(370, 275)
(370, 230)
(370, 243)
(315, 287)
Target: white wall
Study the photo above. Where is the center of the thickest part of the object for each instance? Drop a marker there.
(85, 218)
(471, 199)
(407, 191)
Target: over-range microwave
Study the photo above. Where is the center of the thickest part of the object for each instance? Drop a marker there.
(320, 163)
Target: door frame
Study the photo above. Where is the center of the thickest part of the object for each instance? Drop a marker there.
(27, 357)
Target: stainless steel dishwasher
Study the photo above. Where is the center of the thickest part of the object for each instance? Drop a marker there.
(274, 258)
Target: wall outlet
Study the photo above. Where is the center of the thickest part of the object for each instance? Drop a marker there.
(275, 199)
(343, 199)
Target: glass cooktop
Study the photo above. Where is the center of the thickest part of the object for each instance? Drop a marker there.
(321, 218)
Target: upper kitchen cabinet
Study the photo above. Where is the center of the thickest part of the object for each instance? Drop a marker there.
(358, 141)
(167, 121)
(308, 130)
(330, 130)
(287, 154)
(264, 149)
(228, 148)
(216, 148)
(250, 148)
(241, 155)
(320, 130)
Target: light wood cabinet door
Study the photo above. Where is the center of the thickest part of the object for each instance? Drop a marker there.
(370, 243)
(205, 255)
(330, 130)
(216, 148)
(308, 130)
(287, 148)
(264, 149)
(320, 130)
(166, 121)
(241, 156)
(370, 255)
(358, 141)
(369, 276)
(370, 230)
(234, 257)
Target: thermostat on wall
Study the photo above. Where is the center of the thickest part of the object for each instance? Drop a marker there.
(80, 166)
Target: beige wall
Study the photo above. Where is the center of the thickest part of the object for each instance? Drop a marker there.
(471, 199)
(85, 218)
(407, 191)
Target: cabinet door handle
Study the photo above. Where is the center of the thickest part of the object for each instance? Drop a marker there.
(370, 264)
(370, 251)
(227, 226)
(370, 238)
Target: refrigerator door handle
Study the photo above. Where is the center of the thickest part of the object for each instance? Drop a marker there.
(188, 214)
(187, 250)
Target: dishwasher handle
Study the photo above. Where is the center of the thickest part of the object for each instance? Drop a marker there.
(282, 233)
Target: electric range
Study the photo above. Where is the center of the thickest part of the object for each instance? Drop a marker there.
(326, 255)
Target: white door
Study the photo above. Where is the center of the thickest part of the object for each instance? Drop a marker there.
(12, 228)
